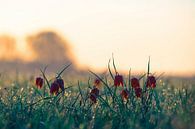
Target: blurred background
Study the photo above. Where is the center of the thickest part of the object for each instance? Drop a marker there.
(36, 33)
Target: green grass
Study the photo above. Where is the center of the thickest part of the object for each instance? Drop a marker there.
(24, 106)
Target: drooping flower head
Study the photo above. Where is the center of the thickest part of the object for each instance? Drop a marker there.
(118, 80)
(135, 83)
(54, 88)
(138, 92)
(124, 94)
(97, 82)
(39, 82)
(151, 82)
(94, 93)
(60, 83)
(93, 98)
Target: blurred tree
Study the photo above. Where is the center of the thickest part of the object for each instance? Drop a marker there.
(7, 48)
(50, 48)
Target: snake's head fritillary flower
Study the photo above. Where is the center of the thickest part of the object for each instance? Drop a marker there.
(138, 92)
(54, 88)
(118, 80)
(94, 93)
(135, 83)
(93, 98)
(60, 83)
(124, 94)
(97, 82)
(151, 82)
(39, 82)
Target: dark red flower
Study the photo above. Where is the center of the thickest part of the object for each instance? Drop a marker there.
(151, 82)
(94, 93)
(125, 94)
(39, 82)
(118, 80)
(60, 83)
(93, 98)
(135, 83)
(54, 88)
(138, 92)
(97, 82)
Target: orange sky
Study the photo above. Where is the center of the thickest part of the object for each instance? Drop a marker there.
(132, 30)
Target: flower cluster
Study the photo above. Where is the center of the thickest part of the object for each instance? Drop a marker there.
(118, 81)
(136, 86)
(150, 83)
(56, 85)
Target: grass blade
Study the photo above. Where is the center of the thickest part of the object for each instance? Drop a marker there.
(44, 76)
(114, 64)
(59, 74)
(110, 70)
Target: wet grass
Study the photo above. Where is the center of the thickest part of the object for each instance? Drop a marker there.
(24, 106)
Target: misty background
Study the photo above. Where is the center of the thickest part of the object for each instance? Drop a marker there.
(86, 33)
(47, 48)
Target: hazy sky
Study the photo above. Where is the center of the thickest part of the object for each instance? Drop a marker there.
(131, 29)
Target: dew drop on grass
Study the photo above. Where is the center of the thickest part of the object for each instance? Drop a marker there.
(66, 94)
(163, 93)
(31, 92)
(21, 90)
(69, 93)
(14, 98)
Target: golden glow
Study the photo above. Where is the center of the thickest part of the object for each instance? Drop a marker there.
(132, 30)
(12, 49)
(7, 47)
(25, 53)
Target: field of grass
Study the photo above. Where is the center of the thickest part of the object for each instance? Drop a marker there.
(101, 102)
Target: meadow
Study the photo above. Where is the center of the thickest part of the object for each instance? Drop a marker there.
(109, 100)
